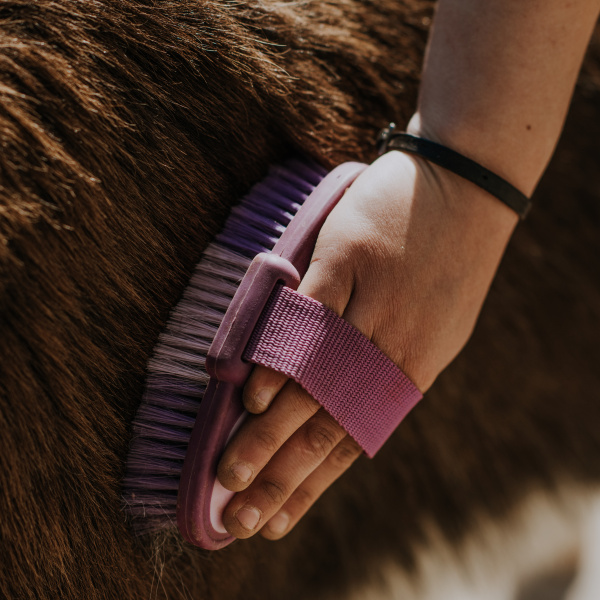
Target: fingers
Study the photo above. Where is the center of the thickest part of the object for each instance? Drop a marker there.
(287, 470)
(260, 438)
(308, 492)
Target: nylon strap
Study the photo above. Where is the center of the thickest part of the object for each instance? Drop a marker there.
(348, 375)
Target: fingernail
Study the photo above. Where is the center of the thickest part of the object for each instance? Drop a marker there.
(262, 399)
(248, 517)
(241, 472)
(279, 523)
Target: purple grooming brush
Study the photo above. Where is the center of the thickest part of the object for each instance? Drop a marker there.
(178, 376)
(241, 308)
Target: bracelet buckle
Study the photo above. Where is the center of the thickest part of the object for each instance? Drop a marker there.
(384, 137)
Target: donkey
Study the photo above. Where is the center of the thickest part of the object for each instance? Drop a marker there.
(128, 129)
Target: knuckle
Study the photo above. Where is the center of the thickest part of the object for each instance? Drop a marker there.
(267, 440)
(274, 490)
(318, 439)
(345, 453)
(304, 497)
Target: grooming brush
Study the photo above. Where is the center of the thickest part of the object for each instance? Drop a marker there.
(192, 403)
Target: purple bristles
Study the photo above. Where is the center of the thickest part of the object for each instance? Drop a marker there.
(177, 377)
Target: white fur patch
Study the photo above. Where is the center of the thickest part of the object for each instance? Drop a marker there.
(547, 534)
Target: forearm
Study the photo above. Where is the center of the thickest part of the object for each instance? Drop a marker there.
(498, 78)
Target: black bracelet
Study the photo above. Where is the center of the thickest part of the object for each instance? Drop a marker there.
(389, 139)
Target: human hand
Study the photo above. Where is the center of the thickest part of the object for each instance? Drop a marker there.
(406, 257)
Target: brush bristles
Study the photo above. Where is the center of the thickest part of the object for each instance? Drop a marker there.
(177, 376)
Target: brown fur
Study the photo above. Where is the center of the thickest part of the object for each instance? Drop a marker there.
(127, 130)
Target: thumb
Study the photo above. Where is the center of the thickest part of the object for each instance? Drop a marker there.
(331, 274)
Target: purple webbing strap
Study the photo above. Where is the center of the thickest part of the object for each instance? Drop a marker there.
(348, 375)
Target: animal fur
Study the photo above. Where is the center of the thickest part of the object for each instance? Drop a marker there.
(128, 128)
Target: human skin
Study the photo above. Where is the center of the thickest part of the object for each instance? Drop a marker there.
(409, 253)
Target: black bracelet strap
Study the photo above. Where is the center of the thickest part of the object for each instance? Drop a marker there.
(389, 139)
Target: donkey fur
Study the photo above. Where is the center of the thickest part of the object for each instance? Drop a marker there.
(128, 128)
